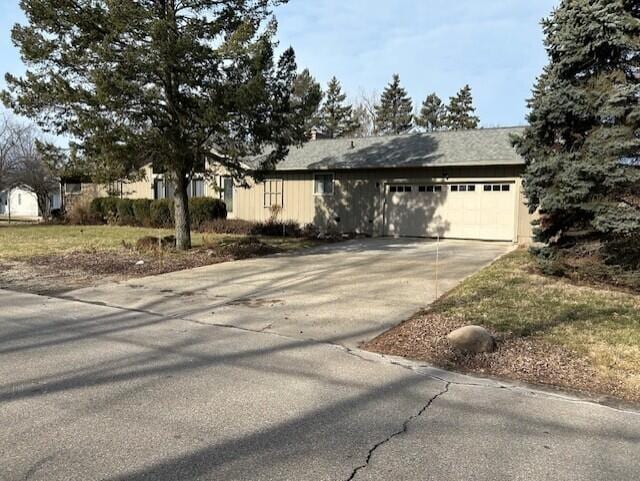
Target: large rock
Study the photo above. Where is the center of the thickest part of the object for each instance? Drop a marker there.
(472, 339)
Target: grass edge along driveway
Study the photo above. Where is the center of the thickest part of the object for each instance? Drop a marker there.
(550, 331)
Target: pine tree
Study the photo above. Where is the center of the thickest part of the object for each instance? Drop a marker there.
(161, 81)
(337, 119)
(460, 111)
(582, 148)
(305, 99)
(432, 114)
(394, 114)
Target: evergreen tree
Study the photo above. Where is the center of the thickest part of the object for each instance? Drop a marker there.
(305, 99)
(161, 81)
(582, 145)
(337, 118)
(460, 111)
(432, 114)
(394, 113)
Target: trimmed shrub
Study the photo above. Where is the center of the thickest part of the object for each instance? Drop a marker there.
(203, 209)
(110, 209)
(142, 212)
(153, 213)
(161, 213)
(104, 209)
(96, 207)
(124, 208)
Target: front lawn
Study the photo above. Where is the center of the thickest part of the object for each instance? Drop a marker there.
(56, 258)
(550, 331)
(24, 241)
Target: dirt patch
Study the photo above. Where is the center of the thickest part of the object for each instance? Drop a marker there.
(59, 273)
(528, 359)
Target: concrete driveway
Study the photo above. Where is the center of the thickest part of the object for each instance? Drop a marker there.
(341, 293)
(247, 371)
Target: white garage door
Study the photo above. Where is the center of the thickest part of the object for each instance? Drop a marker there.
(483, 211)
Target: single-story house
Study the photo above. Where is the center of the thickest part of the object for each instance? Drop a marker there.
(453, 184)
(21, 203)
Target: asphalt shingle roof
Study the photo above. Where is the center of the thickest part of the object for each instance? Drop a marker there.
(438, 149)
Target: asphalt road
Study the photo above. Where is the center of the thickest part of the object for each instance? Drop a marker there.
(249, 371)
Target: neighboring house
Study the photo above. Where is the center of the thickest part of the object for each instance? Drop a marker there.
(455, 184)
(21, 204)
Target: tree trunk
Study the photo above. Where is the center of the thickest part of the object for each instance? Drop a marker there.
(181, 211)
(43, 205)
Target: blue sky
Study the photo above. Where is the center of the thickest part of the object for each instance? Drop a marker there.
(435, 45)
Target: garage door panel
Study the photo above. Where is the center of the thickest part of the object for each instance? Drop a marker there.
(470, 212)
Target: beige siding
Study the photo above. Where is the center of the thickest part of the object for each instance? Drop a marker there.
(142, 189)
(88, 192)
(525, 229)
(357, 204)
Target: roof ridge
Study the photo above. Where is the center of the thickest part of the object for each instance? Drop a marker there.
(409, 134)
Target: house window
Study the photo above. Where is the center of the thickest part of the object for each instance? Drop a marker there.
(195, 188)
(463, 188)
(19, 199)
(323, 184)
(402, 188)
(198, 187)
(506, 187)
(273, 192)
(496, 188)
(423, 188)
(227, 192)
(73, 187)
(158, 189)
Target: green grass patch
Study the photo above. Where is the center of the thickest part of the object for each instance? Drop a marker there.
(511, 297)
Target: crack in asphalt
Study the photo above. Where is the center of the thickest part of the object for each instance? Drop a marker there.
(403, 430)
(37, 466)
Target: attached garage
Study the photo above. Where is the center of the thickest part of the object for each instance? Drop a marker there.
(462, 210)
(454, 184)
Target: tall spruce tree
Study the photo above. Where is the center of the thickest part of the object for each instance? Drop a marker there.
(460, 111)
(158, 80)
(432, 114)
(337, 118)
(394, 113)
(582, 145)
(306, 98)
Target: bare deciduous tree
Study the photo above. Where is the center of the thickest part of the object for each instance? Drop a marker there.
(364, 111)
(8, 130)
(26, 161)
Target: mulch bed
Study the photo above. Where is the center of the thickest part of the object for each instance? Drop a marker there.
(59, 273)
(526, 359)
